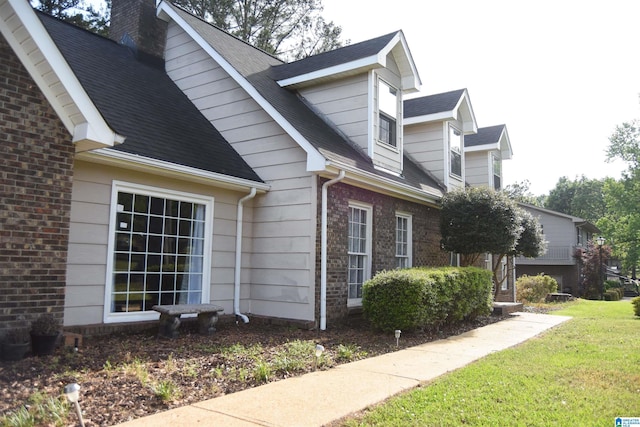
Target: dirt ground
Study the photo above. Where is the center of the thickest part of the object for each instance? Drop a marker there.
(127, 376)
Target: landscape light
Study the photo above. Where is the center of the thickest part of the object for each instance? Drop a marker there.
(397, 334)
(319, 351)
(72, 391)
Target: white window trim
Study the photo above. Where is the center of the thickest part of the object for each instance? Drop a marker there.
(409, 255)
(118, 186)
(460, 146)
(357, 302)
(398, 123)
(493, 159)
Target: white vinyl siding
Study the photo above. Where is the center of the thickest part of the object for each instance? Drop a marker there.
(425, 143)
(345, 104)
(282, 273)
(359, 251)
(384, 154)
(477, 168)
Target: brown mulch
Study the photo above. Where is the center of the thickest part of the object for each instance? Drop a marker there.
(120, 374)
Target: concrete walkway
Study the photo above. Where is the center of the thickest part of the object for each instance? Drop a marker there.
(318, 398)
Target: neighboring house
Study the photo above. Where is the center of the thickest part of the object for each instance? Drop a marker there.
(564, 234)
(184, 165)
(484, 153)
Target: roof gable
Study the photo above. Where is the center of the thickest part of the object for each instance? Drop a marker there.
(255, 71)
(30, 41)
(490, 138)
(138, 99)
(353, 59)
(441, 106)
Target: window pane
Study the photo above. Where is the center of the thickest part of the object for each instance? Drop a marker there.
(142, 275)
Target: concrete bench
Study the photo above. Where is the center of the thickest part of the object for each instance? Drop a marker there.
(170, 317)
(558, 297)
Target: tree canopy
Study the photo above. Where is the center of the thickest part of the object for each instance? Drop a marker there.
(81, 13)
(581, 197)
(476, 221)
(289, 29)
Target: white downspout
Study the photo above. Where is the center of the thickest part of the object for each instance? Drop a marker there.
(238, 267)
(323, 251)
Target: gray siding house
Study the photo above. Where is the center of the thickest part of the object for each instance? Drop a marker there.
(564, 234)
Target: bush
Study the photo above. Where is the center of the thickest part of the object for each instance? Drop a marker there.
(422, 298)
(612, 295)
(534, 289)
(636, 305)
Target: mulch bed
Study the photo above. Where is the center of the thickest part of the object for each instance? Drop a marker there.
(120, 374)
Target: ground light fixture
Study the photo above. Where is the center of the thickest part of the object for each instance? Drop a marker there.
(72, 392)
(319, 351)
(397, 334)
(600, 241)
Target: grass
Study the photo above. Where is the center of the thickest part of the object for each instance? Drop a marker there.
(584, 372)
(41, 410)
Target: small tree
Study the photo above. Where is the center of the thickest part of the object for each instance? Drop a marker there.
(476, 221)
(592, 260)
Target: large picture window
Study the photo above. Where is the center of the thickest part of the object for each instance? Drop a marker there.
(359, 251)
(159, 250)
(403, 241)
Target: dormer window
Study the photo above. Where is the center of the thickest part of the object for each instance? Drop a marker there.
(497, 172)
(387, 113)
(455, 150)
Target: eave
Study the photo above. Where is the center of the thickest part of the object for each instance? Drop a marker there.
(397, 45)
(143, 164)
(30, 41)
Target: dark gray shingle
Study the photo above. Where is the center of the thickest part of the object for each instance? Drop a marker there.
(486, 135)
(432, 104)
(139, 101)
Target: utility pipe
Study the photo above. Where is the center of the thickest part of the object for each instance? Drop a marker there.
(323, 251)
(238, 267)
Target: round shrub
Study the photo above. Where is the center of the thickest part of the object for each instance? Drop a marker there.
(396, 299)
(534, 289)
(636, 306)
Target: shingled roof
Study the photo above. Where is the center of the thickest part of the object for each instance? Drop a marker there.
(486, 135)
(333, 58)
(432, 104)
(139, 100)
(262, 71)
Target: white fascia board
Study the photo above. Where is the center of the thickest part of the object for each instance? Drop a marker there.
(315, 160)
(364, 63)
(93, 130)
(168, 169)
(387, 186)
(483, 147)
(505, 144)
(427, 118)
(470, 124)
(410, 82)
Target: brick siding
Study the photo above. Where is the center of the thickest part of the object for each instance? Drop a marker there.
(426, 239)
(36, 161)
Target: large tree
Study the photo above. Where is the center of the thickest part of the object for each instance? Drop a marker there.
(477, 221)
(581, 197)
(521, 192)
(290, 29)
(83, 13)
(622, 223)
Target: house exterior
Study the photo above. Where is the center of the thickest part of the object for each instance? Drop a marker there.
(564, 234)
(178, 164)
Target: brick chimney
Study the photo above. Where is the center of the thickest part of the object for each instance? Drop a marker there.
(137, 20)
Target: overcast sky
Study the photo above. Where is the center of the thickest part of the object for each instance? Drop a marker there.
(560, 74)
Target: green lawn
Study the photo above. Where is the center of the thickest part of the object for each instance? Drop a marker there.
(586, 372)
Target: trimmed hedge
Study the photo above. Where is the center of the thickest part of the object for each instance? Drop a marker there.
(422, 298)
